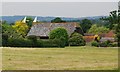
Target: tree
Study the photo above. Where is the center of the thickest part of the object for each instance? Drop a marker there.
(59, 33)
(21, 28)
(85, 24)
(98, 30)
(114, 18)
(9, 30)
(57, 20)
(29, 21)
(76, 39)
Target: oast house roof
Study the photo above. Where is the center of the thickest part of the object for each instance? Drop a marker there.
(43, 29)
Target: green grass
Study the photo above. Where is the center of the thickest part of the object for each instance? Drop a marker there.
(69, 58)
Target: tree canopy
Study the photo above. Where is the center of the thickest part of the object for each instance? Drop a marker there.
(114, 20)
(21, 28)
(57, 20)
(59, 33)
(97, 30)
(85, 24)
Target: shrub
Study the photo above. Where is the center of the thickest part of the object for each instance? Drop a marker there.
(76, 39)
(48, 43)
(95, 43)
(59, 33)
(19, 42)
(33, 39)
(4, 39)
(108, 44)
(59, 42)
(39, 43)
(103, 44)
(114, 45)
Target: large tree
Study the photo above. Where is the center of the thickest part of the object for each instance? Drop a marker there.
(114, 20)
(21, 28)
(57, 20)
(85, 24)
(95, 29)
(59, 33)
(29, 21)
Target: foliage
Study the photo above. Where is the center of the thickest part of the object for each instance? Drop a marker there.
(59, 42)
(104, 44)
(33, 39)
(33, 42)
(98, 30)
(19, 42)
(21, 28)
(29, 21)
(9, 30)
(58, 33)
(85, 24)
(95, 43)
(114, 18)
(57, 20)
(76, 39)
(4, 39)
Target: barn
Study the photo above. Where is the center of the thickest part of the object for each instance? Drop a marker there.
(42, 30)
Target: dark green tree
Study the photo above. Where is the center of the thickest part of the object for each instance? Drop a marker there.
(114, 20)
(57, 20)
(86, 25)
(29, 21)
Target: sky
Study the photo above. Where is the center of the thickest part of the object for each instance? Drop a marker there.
(59, 9)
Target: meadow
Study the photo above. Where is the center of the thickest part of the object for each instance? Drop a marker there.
(68, 58)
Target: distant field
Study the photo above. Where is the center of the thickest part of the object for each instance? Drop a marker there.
(69, 58)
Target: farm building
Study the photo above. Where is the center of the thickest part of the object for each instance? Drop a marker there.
(88, 37)
(107, 36)
(42, 30)
(104, 36)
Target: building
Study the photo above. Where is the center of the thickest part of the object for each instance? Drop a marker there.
(108, 36)
(42, 30)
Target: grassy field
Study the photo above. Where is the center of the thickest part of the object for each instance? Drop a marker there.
(0, 58)
(69, 58)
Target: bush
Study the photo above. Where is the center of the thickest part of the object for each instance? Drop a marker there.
(95, 43)
(59, 42)
(76, 39)
(33, 39)
(108, 44)
(114, 45)
(4, 39)
(19, 42)
(59, 33)
(48, 43)
(103, 44)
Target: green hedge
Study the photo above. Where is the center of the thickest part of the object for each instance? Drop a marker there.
(104, 44)
(22, 42)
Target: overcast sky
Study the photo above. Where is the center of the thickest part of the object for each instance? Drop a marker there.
(65, 9)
